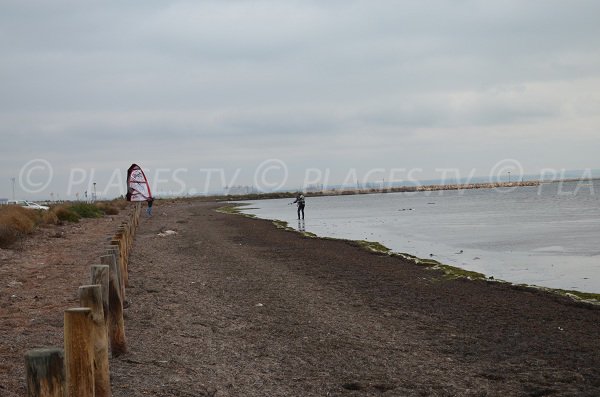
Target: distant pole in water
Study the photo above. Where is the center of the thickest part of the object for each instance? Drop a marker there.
(508, 176)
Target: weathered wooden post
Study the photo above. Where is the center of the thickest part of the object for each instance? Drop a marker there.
(120, 235)
(129, 231)
(91, 296)
(100, 276)
(113, 250)
(116, 323)
(133, 222)
(79, 352)
(124, 236)
(126, 227)
(136, 214)
(45, 373)
(121, 259)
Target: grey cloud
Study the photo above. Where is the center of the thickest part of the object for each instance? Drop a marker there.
(236, 81)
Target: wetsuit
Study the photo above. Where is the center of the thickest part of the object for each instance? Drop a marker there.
(300, 201)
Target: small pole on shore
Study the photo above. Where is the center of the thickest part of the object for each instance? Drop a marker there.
(45, 372)
(79, 352)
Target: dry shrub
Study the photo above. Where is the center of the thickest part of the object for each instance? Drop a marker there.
(21, 219)
(49, 218)
(16, 222)
(108, 208)
(120, 203)
(8, 236)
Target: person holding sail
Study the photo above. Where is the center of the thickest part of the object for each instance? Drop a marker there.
(138, 188)
(150, 201)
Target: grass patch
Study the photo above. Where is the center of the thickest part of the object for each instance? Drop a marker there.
(452, 272)
(65, 214)
(282, 225)
(583, 295)
(373, 246)
(85, 210)
(309, 234)
(588, 297)
(229, 209)
(74, 212)
(235, 210)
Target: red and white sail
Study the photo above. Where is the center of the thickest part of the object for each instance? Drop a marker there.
(138, 188)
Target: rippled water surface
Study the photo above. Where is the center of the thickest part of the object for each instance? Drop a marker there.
(547, 235)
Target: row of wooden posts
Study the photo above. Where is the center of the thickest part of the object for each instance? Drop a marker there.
(81, 369)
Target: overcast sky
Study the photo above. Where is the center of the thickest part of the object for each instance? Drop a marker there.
(94, 86)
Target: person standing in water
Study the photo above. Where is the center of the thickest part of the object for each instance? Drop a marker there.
(300, 203)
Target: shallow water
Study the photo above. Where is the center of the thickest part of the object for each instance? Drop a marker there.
(546, 235)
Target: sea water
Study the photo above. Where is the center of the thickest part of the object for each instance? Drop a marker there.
(547, 235)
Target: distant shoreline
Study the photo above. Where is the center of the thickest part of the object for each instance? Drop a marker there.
(396, 189)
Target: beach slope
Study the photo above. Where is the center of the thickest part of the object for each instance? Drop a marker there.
(232, 306)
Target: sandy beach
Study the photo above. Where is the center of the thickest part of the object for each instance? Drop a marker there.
(233, 306)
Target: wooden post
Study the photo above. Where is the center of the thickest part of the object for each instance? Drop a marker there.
(127, 226)
(100, 276)
(91, 296)
(79, 352)
(116, 324)
(113, 250)
(136, 214)
(45, 373)
(122, 235)
(121, 259)
(125, 250)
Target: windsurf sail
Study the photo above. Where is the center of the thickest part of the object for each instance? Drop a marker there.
(138, 188)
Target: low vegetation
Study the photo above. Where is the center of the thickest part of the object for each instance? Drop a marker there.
(85, 210)
(17, 222)
(65, 214)
(110, 208)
